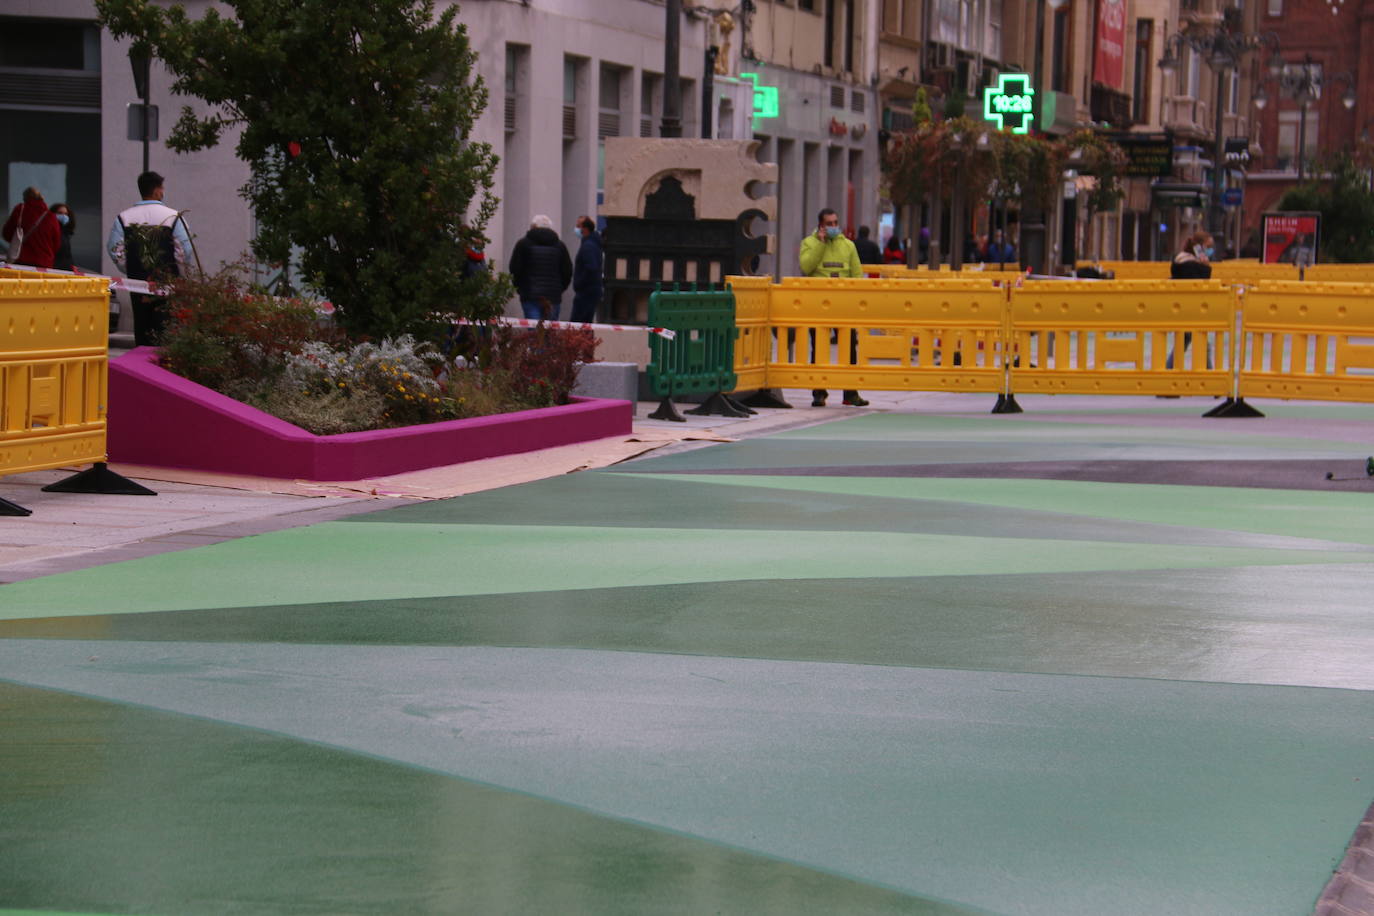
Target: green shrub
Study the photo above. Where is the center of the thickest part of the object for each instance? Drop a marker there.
(281, 356)
(221, 330)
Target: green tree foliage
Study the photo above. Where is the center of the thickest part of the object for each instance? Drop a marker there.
(1341, 193)
(1093, 156)
(354, 117)
(1026, 168)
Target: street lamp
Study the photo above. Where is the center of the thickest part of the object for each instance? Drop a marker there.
(1303, 83)
(1221, 48)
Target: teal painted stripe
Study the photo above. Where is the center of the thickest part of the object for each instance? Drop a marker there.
(341, 561)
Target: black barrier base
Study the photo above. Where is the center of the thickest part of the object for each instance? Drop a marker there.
(1006, 403)
(720, 405)
(99, 479)
(667, 411)
(9, 508)
(1233, 407)
(765, 397)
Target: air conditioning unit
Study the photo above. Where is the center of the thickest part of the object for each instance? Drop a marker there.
(569, 122)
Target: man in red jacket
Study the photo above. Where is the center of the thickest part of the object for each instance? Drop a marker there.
(42, 232)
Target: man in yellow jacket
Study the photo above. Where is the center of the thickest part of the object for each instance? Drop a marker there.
(827, 253)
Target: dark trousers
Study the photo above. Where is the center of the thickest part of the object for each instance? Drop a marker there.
(150, 317)
(584, 310)
(853, 361)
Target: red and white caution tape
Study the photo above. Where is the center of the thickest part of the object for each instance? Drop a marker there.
(665, 333)
(124, 283)
(142, 286)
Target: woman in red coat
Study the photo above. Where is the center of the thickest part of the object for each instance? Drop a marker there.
(42, 232)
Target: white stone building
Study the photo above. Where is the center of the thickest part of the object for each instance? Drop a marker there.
(562, 75)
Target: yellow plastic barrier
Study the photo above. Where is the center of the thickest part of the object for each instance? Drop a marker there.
(1132, 270)
(1248, 272)
(1313, 341)
(1121, 336)
(754, 346)
(53, 350)
(907, 335)
(1340, 273)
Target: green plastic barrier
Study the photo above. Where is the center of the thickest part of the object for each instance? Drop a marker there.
(700, 359)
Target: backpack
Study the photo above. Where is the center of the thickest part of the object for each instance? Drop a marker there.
(148, 251)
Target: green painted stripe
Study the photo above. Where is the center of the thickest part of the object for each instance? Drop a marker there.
(1300, 625)
(1340, 517)
(624, 500)
(322, 563)
(165, 813)
(893, 429)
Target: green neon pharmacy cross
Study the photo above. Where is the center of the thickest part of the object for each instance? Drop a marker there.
(765, 97)
(1010, 103)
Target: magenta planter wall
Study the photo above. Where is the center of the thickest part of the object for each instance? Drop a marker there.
(159, 418)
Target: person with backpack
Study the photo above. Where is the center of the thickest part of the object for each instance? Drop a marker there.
(149, 241)
(32, 233)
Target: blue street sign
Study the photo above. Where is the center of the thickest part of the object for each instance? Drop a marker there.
(1232, 197)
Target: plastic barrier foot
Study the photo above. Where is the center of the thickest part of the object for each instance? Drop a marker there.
(718, 405)
(1006, 403)
(99, 479)
(9, 508)
(739, 405)
(667, 411)
(765, 397)
(1233, 407)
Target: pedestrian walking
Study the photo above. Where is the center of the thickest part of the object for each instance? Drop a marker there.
(542, 270)
(67, 222)
(588, 276)
(827, 253)
(150, 241)
(1193, 262)
(869, 252)
(32, 232)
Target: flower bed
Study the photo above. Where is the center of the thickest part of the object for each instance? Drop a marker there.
(159, 418)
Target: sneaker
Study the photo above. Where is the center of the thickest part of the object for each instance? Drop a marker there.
(855, 400)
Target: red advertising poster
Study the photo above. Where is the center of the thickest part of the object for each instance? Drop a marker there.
(1290, 238)
(1111, 43)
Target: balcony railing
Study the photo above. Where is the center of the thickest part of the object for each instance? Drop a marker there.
(1112, 107)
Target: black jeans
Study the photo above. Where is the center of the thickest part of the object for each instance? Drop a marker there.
(150, 317)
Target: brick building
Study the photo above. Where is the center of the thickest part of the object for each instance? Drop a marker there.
(1320, 43)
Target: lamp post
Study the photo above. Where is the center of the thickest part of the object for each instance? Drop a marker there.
(1303, 83)
(141, 61)
(1221, 47)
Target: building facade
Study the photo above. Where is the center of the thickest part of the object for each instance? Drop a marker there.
(1318, 97)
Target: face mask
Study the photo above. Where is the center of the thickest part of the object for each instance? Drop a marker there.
(577, 230)
(832, 232)
(62, 218)
(1211, 252)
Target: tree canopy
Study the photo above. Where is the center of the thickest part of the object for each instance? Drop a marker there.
(1341, 193)
(355, 117)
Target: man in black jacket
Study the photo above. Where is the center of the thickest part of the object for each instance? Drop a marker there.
(588, 285)
(869, 252)
(542, 270)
